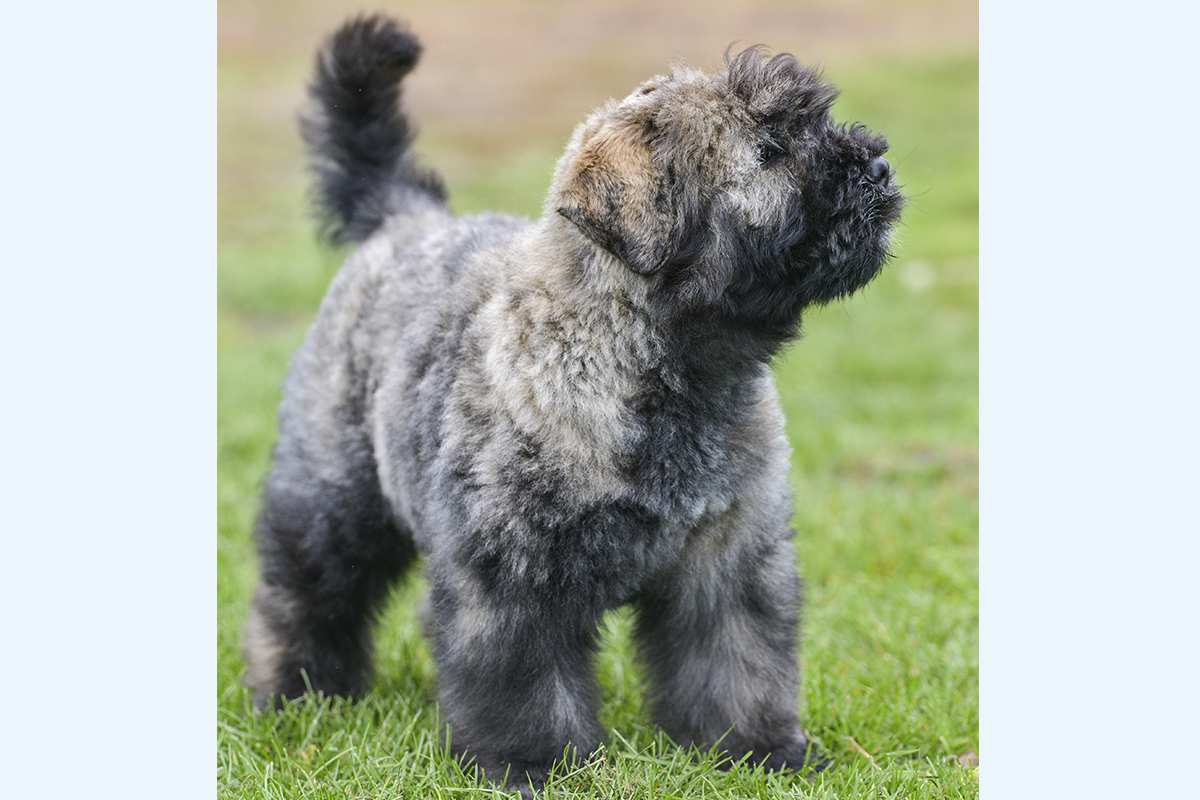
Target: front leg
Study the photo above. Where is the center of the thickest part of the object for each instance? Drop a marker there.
(719, 636)
(515, 677)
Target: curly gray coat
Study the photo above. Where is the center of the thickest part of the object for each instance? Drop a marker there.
(564, 415)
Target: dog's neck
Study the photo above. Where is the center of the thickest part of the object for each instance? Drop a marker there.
(632, 316)
(584, 359)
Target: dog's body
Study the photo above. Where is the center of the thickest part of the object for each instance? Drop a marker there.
(563, 416)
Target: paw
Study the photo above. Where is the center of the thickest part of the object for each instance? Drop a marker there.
(793, 753)
(524, 777)
(530, 781)
(527, 791)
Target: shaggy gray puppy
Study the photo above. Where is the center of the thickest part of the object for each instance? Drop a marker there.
(565, 415)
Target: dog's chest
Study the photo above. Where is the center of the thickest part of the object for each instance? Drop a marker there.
(563, 375)
(582, 456)
(538, 538)
(540, 524)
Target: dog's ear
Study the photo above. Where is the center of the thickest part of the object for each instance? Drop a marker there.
(616, 196)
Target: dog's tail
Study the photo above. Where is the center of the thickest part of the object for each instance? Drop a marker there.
(357, 136)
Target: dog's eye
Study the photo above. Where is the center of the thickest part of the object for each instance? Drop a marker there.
(769, 151)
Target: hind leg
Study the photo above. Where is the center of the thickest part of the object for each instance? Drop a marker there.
(329, 551)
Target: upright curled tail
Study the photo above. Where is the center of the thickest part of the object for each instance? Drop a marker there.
(357, 136)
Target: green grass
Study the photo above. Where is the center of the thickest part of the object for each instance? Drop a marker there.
(881, 402)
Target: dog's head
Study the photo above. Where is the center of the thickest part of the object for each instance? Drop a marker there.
(735, 193)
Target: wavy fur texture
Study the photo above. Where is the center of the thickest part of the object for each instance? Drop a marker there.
(564, 415)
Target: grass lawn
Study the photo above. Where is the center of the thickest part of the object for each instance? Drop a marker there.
(882, 411)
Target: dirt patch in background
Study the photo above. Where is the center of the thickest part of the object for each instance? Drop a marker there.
(501, 78)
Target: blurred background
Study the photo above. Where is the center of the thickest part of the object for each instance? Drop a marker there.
(881, 393)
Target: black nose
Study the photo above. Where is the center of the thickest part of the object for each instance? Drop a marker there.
(879, 170)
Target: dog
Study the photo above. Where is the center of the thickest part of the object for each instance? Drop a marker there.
(566, 415)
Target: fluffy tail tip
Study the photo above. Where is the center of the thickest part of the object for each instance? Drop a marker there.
(369, 51)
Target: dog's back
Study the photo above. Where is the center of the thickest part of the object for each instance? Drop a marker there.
(367, 183)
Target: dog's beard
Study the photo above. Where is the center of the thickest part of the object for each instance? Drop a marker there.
(850, 247)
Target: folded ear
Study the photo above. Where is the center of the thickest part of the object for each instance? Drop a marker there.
(614, 193)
